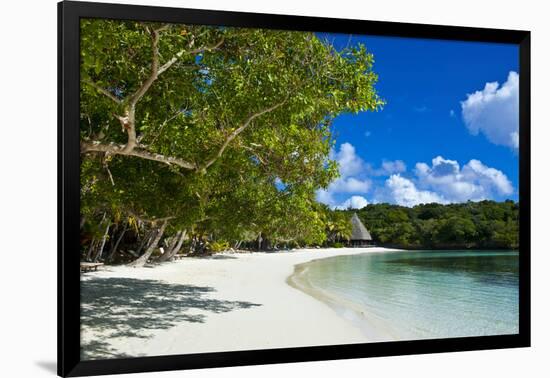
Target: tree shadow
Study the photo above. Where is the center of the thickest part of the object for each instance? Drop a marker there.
(221, 257)
(100, 350)
(128, 307)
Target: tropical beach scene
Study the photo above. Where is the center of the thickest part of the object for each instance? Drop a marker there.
(245, 189)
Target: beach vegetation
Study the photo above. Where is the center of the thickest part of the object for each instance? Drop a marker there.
(191, 134)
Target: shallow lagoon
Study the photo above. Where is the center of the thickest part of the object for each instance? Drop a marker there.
(419, 294)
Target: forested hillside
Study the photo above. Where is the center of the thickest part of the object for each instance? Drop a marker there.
(485, 224)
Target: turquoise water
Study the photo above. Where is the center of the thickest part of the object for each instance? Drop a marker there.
(420, 294)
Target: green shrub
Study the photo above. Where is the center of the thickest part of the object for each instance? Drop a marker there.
(218, 246)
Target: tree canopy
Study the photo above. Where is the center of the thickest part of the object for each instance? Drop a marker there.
(217, 130)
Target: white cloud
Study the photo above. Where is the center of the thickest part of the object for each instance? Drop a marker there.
(494, 112)
(390, 167)
(350, 163)
(351, 168)
(354, 202)
(442, 181)
(352, 175)
(474, 181)
(476, 170)
(355, 178)
(445, 181)
(405, 193)
(324, 196)
(350, 185)
(387, 168)
(452, 113)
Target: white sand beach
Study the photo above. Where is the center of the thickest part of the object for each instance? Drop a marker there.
(231, 301)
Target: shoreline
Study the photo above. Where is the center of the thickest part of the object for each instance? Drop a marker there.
(231, 301)
(373, 327)
(380, 324)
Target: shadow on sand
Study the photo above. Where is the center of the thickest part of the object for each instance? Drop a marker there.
(126, 307)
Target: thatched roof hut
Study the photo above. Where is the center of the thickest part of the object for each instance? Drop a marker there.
(359, 233)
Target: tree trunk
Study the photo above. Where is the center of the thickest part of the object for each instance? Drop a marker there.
(202, 244)
(168, 255)
(260, 241)
(173, 242)
(170, 247)
(103, 240)
(146, 239)
(150, 249)
(90, 250)
(112, 252)
(93, 244)
(193, 244)
(177, 249)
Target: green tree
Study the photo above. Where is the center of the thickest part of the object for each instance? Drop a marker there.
(338, 226)
(187, 129)
(185, 95)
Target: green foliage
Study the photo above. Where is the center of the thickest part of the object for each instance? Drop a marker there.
(190, 109)
(218, 246)
(337, 226)
(485, 224)
(256, 103)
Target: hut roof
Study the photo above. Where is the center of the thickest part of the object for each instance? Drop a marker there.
(358, 229)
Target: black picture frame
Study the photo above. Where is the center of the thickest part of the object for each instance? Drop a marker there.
(69, 14)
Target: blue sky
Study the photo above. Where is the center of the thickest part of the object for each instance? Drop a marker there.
(447, 134)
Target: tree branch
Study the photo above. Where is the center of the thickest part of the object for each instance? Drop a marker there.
(237, 131)
(154, 70)
(131, 148)
(103, 91)
(149, 220)
(168, 64)
(118, 149)
(128, 121)
(162, 127)
(255, 153)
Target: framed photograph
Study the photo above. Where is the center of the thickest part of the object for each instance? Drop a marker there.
(239, 188)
